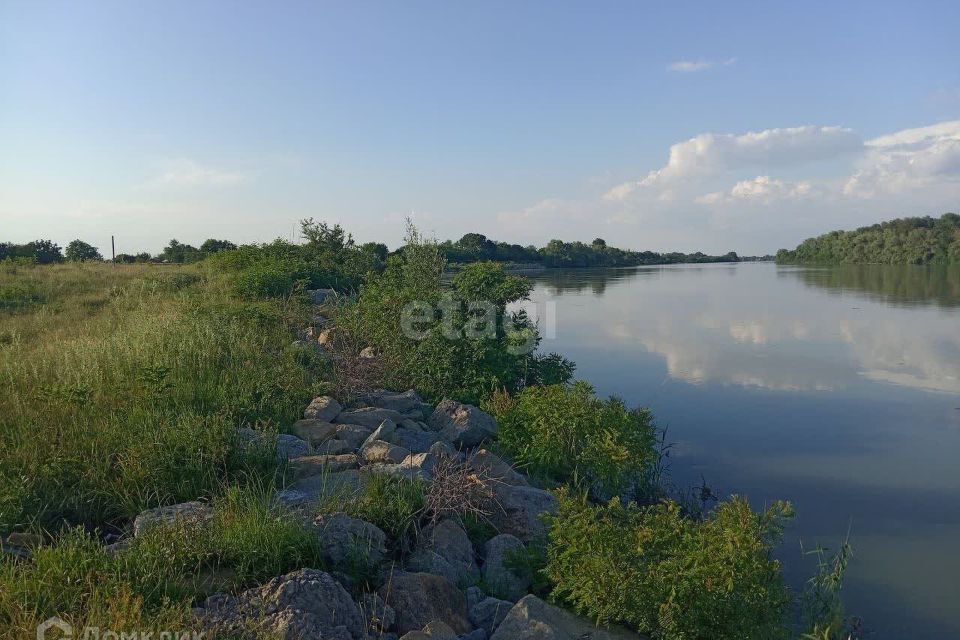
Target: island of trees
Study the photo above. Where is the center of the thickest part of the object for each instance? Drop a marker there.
(923, 240)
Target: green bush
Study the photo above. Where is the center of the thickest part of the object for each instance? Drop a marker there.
(670, 576)
(566, 434)
(395, 505)
(445, 339)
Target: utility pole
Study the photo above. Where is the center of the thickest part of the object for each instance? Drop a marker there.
(113, 251)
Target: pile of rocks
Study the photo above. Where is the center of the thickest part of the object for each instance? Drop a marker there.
(432, 593)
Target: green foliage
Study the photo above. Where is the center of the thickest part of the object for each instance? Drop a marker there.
(475, 247)
(668, 576)
(902, 241)
(330, 259)
(18, 295)
(821, 607)
(566, 434)
(451, 340)
(80, 251)
(38, 252)
(212, 245)
(179, 253)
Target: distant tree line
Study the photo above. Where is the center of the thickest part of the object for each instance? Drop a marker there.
(475, 247)
(48, 252)
(923, 240)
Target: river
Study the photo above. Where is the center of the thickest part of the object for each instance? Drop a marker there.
(837, 388)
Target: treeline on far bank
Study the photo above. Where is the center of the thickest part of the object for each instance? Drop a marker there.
(472, 247)
(923, 240)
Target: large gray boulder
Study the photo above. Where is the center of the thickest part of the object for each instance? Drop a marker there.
(495, 468)
(353, 434)
(500, 579)
(369, 416)
(464, 425)
(534, 619)
(311, 490)
(314, 431)
(304, 604)
(323, 408)
(306, 466)
(285, 446)
(346, 541)
(517, 510)
(380, 451)
(436, 630)
(446, 550)
(320, 296)
(415, 440)
(421, 598)
(185, 513)
(489, 613)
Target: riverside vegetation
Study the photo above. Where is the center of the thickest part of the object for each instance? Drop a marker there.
(159, 470)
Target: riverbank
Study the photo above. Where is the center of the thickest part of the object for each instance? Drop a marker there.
(206, 393)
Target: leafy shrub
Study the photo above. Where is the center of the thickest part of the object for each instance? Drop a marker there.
(669, 576)
(566, 434)
(444, 339)
(19, 295)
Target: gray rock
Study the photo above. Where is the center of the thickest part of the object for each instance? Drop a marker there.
(406, 472)
(307, 466)
(370, 417)
(291, 447)
(347, 541)
(353, 434)
(380, 616)
(417, 441)
(441, 448)
(421, 598)
(489, 613)
(323, 408)
(534, 619)
(502, 580)
(335, 447)
(304, 604)
(187, 513)
(312, 489)
(380, 451)
(474, 596)
(402, 402)
(517, 510)
(319, 296)
(463, 425)
(495, 468)
(423, 462)
(384, 431)
(436, 630)
(476, 634)
(428, 561)
(451, 542)
(314, 431)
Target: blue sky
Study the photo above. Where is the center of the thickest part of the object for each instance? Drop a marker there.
(714, 126)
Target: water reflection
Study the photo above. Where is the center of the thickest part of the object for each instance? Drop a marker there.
(755, 325)
(893, 284)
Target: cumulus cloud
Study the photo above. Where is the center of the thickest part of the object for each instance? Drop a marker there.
(690, 66)
(189, 173)
(711, 153)
(907, 160)
(762, 189)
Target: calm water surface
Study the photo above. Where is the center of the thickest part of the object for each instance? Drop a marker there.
(835, 388)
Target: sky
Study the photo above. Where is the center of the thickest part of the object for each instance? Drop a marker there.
(656, 126)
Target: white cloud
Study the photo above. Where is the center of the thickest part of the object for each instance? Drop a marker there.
(762, 189)
(712, 153)
(189, 173)
(908, 160)
(690, 66)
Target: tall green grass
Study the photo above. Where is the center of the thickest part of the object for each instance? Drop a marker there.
(123, 390)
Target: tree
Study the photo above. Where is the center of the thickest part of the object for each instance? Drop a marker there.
(180, 253)
(322, 235)
(215, 246)
(44, 251)
(80, 251)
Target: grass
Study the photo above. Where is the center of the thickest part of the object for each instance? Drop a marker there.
(123, 389)
(152, 584)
